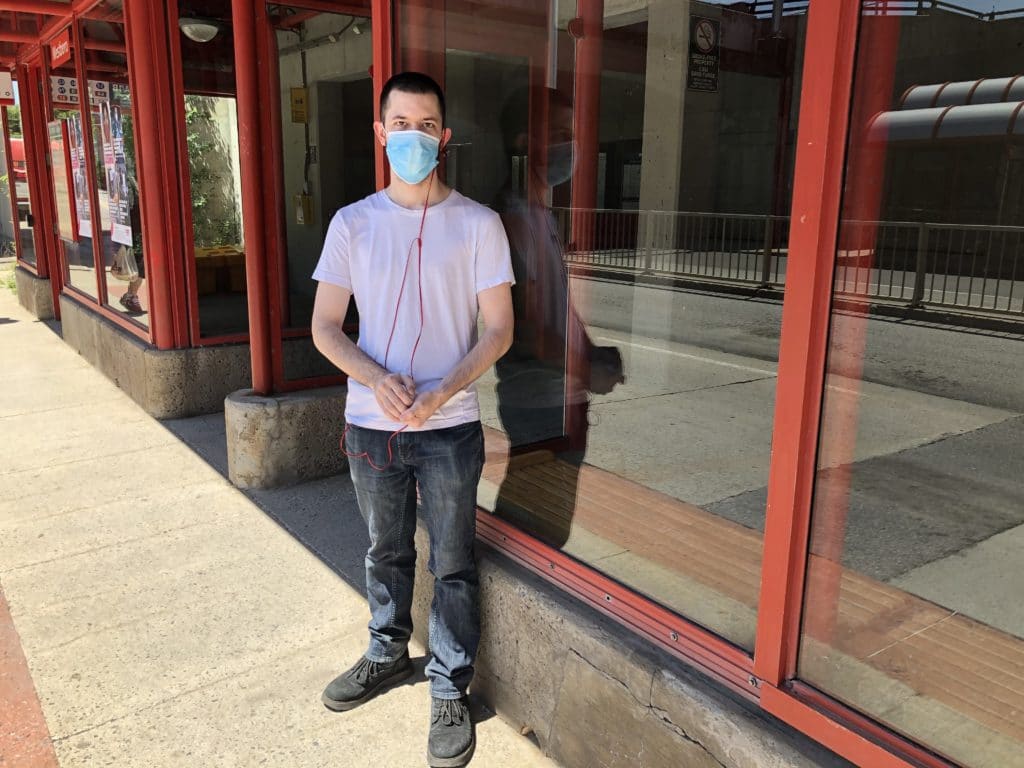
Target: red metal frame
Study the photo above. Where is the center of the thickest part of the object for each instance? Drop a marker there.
(187, 285)
(33, 123)
(726, 663)
(589, 51)
(275, 205)
(155, 166)
(821, 143)
(247, 70)
(382, 30)
(840, 736)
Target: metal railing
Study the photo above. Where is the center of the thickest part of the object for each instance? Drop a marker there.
(960, 266)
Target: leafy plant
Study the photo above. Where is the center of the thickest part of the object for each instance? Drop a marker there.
(215, 217)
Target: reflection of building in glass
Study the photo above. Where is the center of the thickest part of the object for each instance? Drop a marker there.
(823, 514)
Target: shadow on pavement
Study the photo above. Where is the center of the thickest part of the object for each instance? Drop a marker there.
(322, 514)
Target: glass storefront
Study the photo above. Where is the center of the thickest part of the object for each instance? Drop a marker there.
(631, 423)
(326, 140)
(8, 205)
(210, 122)
(114, 141)
(19, 170)
(643, 163)
(913, 609)
(76, 236)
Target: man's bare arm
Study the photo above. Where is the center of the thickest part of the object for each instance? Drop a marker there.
(394, 392)
(496, 310)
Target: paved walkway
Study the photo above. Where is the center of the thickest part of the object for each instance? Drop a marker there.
(157, 616)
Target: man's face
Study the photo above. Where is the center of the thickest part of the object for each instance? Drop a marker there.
(412, 112)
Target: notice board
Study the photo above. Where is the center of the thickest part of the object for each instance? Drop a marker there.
(704, 55)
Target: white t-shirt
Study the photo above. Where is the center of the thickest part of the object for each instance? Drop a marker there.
(465, 251)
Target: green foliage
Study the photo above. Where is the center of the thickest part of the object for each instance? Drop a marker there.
(7, 276)
(14, 121)
(215, 217)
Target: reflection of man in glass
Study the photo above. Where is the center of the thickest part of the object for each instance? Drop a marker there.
(545, 380)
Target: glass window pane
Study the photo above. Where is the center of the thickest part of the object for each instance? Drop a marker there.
(113, 134)
(913, 609)
(79, 260)
(326, 152)
(211, 143)
(19, 169)
(630, 424)
(8, 226)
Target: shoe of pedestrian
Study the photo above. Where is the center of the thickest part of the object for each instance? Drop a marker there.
(130, 301)
(363, 681)
(452, 739)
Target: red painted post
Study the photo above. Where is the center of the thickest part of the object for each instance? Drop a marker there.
(250, 156)
(821, 139)
(586, 122)
(157, 202)
(382, 27)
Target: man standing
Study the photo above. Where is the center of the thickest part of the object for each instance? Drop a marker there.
(423, 263)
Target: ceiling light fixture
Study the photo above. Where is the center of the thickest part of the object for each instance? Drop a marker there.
(198, 30)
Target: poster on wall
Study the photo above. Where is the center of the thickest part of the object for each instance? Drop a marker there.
(64, 90)
(63, 183)
(116, 165)
(78, 173)
(705, 52)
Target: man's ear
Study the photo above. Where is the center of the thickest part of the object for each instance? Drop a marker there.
(446, 136)
(378, 131)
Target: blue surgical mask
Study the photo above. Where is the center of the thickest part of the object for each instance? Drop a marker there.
(561, 162)
(412, 154)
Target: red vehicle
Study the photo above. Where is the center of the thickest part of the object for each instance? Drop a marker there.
(18, 159)
(20, 172)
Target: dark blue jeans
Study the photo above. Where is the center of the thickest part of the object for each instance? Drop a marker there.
(445, 464)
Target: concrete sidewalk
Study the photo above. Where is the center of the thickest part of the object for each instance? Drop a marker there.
(166, 618)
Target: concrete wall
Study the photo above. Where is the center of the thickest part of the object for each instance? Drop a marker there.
(592, 694)
(34, 294)
(166, 383)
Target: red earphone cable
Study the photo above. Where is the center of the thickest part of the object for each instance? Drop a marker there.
(418, 242)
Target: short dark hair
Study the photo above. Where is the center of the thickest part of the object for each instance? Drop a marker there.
(411, 82)
(515, 114)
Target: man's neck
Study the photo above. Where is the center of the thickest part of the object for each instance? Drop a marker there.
(415, 195)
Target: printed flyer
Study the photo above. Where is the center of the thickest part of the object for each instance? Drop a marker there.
(78, 174)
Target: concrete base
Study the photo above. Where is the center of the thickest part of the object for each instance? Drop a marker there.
(591, 693)
(34, 293)
(284, 439)
(168, 384)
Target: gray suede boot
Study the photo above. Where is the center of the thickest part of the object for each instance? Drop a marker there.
(452, 738)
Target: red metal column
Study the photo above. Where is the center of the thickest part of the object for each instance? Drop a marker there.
(146, 32)
(382, 26)
(820, 153)
(33, 128)
(250, 123)
(865, 173)
(586, 121)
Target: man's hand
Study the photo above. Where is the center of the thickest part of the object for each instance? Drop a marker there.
(422, 409)
(395, 392)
